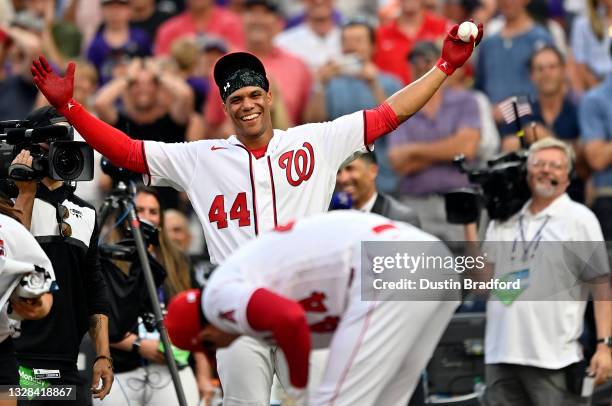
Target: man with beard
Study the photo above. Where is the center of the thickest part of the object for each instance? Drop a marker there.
(532, 353)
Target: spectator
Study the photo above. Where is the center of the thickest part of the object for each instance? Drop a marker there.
(17, 48)
(147, 16)
(86, 16)
(316, 40)
(502, 69)
(290, 76)
(591, 43)
(116, 42)
(357, 177)
(595, 118)
(66, 228)
(177, 229)
(458, 11)
(353, 83)
(532, 353)
(138, 355)
(554, 113)
(157, 105)
(60, 39)
(365, 8)
(421, 150)
(187, 238)
(202, 17)
(394, 40)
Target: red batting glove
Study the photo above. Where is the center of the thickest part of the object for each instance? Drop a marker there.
(455, 52)
(58, 90)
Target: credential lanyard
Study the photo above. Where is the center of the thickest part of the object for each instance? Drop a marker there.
(527, 245)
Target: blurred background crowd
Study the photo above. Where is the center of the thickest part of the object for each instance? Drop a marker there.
(144, 66)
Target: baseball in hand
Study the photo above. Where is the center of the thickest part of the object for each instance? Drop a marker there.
(467, 31)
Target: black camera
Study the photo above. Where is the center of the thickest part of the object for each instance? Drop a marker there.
(118, 174)
(501, 187)
(59, 157)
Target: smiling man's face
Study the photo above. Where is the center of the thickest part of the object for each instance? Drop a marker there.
(249, 110)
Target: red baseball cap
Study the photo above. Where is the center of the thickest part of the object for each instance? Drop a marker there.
(185, 319)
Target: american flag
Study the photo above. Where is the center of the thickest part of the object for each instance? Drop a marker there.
(507, 109)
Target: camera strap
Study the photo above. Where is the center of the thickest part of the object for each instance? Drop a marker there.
(21, 172)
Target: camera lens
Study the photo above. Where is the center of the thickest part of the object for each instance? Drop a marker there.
(68, 162)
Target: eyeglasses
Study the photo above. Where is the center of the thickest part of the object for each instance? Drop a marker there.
(551, 164)
(61, 214)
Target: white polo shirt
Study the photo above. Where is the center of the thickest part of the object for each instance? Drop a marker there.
(542, 333)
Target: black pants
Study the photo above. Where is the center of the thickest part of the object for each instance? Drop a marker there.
(602, 207)
(69, 376)
(9, 374)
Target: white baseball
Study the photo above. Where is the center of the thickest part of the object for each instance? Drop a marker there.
(467, 30)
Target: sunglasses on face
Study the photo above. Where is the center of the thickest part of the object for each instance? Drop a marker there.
(62, 213)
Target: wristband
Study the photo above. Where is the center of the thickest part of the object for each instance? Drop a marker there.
(445, 67)
(109, 359)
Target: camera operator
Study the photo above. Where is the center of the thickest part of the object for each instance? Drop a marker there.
(20, 254)
(532, 353)
(66, 228)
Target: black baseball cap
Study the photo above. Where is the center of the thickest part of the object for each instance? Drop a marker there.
(231, 63)
(269, 4)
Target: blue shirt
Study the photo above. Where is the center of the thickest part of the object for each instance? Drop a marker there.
(589, 50)
(346, 95)
(565, 125)
(105, 58)
(595, 116)
(502, 69)
(458, 110)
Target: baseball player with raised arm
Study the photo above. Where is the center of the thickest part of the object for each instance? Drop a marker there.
(301, 288)
(260, 177)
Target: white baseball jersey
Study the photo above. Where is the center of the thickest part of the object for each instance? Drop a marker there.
(237, 196)
(19, 252)
(377, 349)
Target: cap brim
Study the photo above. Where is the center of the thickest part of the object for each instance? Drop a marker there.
(230, 63)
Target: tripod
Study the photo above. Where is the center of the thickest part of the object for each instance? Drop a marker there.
(122, 199)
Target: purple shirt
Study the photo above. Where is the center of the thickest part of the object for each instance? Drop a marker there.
(105, 58)
(458, 110)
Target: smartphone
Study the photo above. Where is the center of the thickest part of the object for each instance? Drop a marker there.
(350, 64)
(588, 384)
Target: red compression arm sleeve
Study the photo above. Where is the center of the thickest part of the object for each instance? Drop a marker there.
(285, 318)
(378, 122)
(120, 149)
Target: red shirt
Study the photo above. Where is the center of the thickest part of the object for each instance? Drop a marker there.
(393, 46)
(290, 75)
(222, 23)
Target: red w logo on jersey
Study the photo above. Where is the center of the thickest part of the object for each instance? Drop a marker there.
(298, 164)
(229, 316)
(314, 303)
(327, 325)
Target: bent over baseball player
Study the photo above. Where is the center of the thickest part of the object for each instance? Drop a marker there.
(261, 177)
(301, 287)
